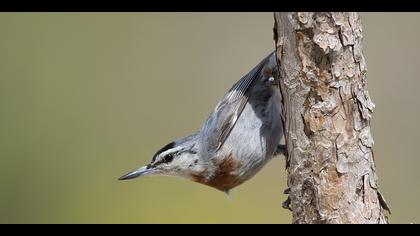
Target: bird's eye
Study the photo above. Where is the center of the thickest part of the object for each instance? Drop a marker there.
(168, 158)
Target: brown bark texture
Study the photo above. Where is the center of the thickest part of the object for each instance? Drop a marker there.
(330, 164)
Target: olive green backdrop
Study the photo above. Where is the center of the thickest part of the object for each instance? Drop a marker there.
(86, 97)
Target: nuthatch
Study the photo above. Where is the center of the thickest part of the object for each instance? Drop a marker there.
(239, 137)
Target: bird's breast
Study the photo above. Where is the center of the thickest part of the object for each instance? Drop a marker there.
(225, 175)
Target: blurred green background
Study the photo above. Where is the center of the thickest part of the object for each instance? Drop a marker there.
(86, 97)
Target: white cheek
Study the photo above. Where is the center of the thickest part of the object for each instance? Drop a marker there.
(181, 162)
(188, 165)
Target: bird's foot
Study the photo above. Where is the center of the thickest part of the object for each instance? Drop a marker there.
(286, 204)
(281, 150)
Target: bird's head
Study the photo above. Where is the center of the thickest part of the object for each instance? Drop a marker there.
(179, 158)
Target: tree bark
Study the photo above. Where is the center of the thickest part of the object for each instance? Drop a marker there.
(330, 163)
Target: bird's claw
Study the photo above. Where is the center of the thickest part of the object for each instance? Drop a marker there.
(281, 150)
(286, 204)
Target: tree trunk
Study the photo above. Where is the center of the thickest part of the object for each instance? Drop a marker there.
(330, 163)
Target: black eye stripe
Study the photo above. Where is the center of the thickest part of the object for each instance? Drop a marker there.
(167, 147)
(168, 158)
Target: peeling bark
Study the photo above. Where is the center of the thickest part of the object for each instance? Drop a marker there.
(330, 164)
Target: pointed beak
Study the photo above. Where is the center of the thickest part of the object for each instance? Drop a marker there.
(143, 171)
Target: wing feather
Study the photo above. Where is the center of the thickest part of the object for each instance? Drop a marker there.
(227, 112)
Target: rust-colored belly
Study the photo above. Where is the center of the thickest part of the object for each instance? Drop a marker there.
(226, 176)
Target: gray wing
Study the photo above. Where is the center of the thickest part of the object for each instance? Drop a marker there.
(228, 110)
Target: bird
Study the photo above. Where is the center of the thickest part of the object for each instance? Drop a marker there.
(240, 136)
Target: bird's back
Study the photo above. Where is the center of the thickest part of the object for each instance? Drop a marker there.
(252, 134)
